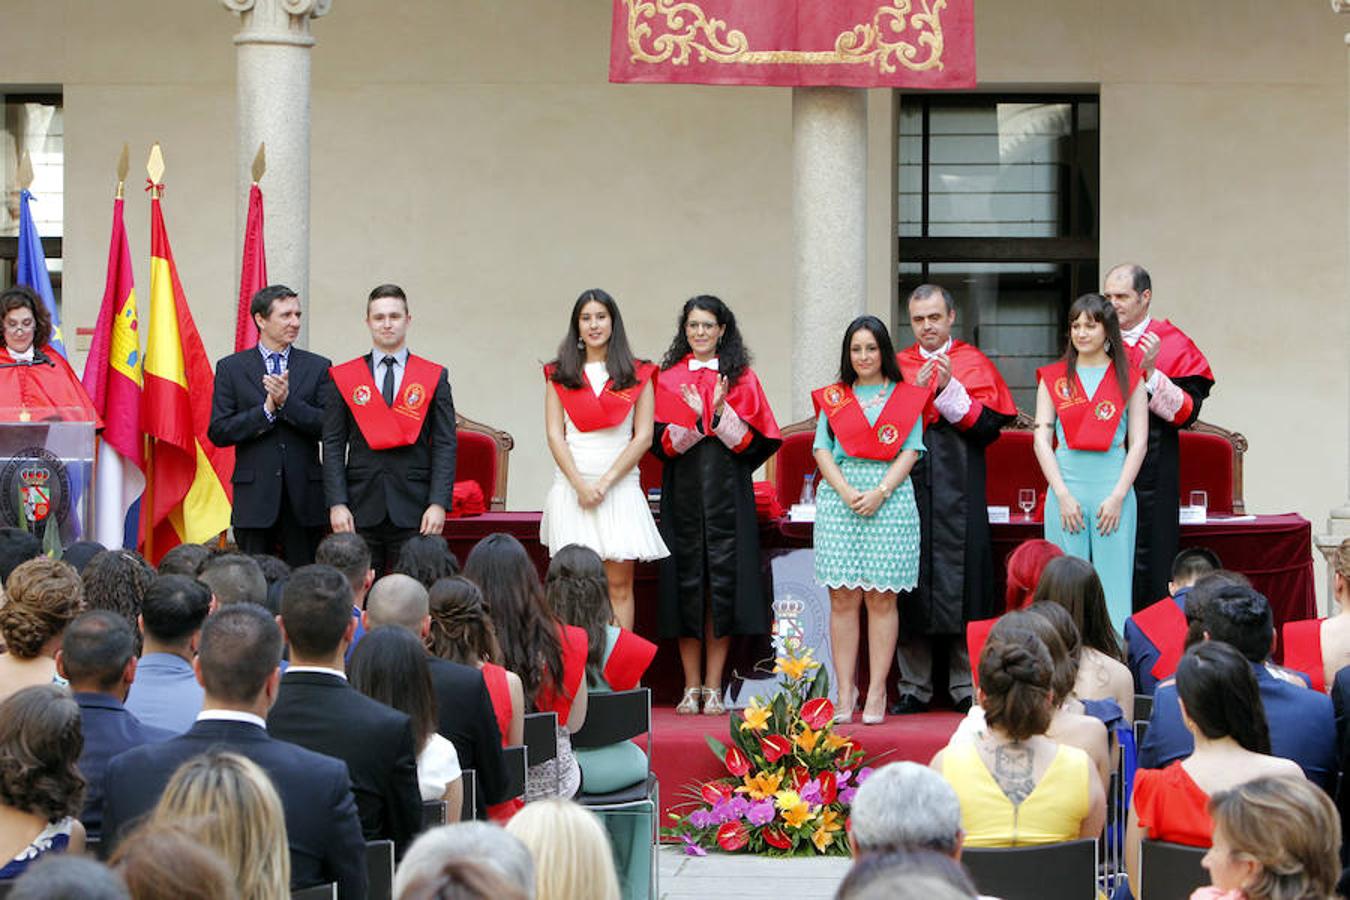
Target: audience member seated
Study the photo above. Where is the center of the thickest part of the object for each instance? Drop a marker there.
(185, 559)
(275, 573)
(234, 578)
(1320, 648)
(443, 847)
(16, 546)
(226, 803)
(166, 693)
(41, 790)
(1274, 839)
(349, 553)
(116, 580)
(462, 879)
(426, 558)
(44, 596)
(462, 632)
(319, 710)
(1023, 570)
(66, 877)
(162, 863)
(913, 874)
(464, 711)
(98, 658)
(238, 665)
(1073, 584)
(1220, 705)
(1155, 636)
(905, 806)
(391, 666)
(79, 553)
(1302, 726)
(1016, 786)
(549, 657)
(572, 860)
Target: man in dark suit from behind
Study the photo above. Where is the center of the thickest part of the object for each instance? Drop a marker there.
(98, 658)
(266, 405)
(316, 708)
(349, 553)
(234, 578)
(238, 665)
(464, 713)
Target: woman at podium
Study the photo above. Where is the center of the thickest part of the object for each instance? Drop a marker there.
(36, 383)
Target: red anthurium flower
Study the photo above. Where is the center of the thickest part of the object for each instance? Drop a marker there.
(817, 713)
(736, 762)
(829, 787)
(800, 776)
(775, 747)
(732, 836)
(775, 837)
(714, 792)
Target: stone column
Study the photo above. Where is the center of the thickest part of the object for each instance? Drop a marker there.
(1338, 523)
(829, 218)
(272, 90)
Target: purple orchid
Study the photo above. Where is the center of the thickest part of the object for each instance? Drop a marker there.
(863, 774)
(847, 794)
(691, 847)
(760, 813)
(810, 792)
(702, 818)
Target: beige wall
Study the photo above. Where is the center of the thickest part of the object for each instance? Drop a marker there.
(481, 159)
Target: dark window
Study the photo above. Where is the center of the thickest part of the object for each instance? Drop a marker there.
(998, 203)
(32, 122)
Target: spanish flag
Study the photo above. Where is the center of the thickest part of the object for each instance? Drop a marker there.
(189, 488)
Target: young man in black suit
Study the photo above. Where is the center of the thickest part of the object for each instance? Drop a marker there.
(317, 709)
(388, 436)
(238, 665)
(267, 406)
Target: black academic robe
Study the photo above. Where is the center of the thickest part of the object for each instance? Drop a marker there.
(708, 522)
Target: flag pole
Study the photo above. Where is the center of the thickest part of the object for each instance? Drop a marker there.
(154, 167)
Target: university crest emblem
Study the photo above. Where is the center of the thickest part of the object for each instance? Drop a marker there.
(413, 395)
(34, 484)
(834, 395)
(888, 434)
(1062, 389)
(361, 396)
(1104, 410)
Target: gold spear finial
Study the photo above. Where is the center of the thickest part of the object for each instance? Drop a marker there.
(260, 162)
(155, 169)
(123, 165)
(25, 171)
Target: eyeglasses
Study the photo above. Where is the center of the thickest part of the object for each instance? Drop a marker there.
(20, 326)
(700, 326)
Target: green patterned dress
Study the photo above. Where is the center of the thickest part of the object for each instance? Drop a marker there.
(879, 552)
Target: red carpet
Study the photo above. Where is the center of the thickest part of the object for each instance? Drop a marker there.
(680, 756)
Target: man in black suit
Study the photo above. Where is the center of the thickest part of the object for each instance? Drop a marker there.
(388, 436)
(238, 665)
(463, 706)
(267, 406)
(317, 709)
(98, 658)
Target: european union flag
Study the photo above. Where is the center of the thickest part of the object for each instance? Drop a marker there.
(33, 269)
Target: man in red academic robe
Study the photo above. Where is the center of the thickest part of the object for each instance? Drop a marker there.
(971, 404)
(388, 437)
(1178, 379)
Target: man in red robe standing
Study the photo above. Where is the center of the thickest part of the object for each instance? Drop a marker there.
(971, 404)
(1178, 379)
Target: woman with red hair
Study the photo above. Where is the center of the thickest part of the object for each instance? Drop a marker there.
(1025, 565)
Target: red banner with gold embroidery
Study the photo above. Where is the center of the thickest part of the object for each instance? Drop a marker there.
(795, 43)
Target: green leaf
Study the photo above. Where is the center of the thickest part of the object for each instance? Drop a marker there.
(718, 748)
(51, 538)
(820, 685)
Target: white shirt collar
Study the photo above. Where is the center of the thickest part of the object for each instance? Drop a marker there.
(25, 356)
(713, 364)
(400, 356)
(1131, 336)
(231, 715)
(322, 670)
(926, 354)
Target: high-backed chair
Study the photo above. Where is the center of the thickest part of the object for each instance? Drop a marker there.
(793, 461)
(380, 870)
(1169, 870)
(541, 742)
(1066, 871)
(483, 454)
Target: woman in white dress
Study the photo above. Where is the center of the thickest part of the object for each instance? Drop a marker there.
(598, 413)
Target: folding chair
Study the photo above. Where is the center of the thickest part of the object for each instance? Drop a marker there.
(380, 870)
(1169, 870)
(515, 760)
(541, 744)
(1066, 871)
(433, 814)
(1143, 706)
(612, 718)
(317, 892)
(468, 810)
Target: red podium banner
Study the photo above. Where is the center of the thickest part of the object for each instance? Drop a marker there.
(795, 43)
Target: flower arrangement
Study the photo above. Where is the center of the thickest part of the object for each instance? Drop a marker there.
(790, 777)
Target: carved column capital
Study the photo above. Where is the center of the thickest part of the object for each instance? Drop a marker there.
(1340, 6)
(276, 21)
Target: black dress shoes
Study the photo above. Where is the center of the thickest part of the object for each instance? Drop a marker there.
(907, 705)
(963, 705)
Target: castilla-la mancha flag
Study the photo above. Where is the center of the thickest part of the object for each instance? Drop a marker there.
(912, 44)
(188, 493)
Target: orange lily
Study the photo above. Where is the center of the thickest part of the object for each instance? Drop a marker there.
(762, 784)
(827, 827)
(807, 740)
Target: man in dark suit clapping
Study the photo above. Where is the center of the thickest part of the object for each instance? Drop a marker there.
(267, 406)
(388, 436)
(238, 665)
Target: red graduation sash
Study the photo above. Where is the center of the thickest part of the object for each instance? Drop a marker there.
(628, 661)
(977, 634)
(383, 426)
(1178, 357)
(1303, 650)
(1164, 624)
(593, 413)
(862, 439)
(1088, 424)
(549, 698)
(745, 396)
(972, 368)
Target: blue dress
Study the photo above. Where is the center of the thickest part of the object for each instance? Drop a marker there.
(878, 552)
(55, 838)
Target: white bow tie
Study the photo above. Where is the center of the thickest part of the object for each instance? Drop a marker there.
(695, 365)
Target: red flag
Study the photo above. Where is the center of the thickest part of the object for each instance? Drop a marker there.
(252, 271)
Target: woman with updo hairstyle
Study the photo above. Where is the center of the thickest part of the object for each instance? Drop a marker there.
(43, 597)
(41, 790)
(1274, 839)
(1221, 707)
(462, 632)
(1016, 786)
(1073, 583)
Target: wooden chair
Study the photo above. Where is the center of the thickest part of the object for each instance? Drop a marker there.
(317, 892)
(380, 870)
(1169, 870)
(1066, 871)
(483, 454)
(541, 742)
(793, 461)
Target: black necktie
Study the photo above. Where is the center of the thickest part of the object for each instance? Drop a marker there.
(388, 389)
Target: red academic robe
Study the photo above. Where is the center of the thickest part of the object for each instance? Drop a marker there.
(46, 391)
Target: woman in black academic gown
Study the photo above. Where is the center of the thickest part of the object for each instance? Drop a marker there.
(714, 427)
